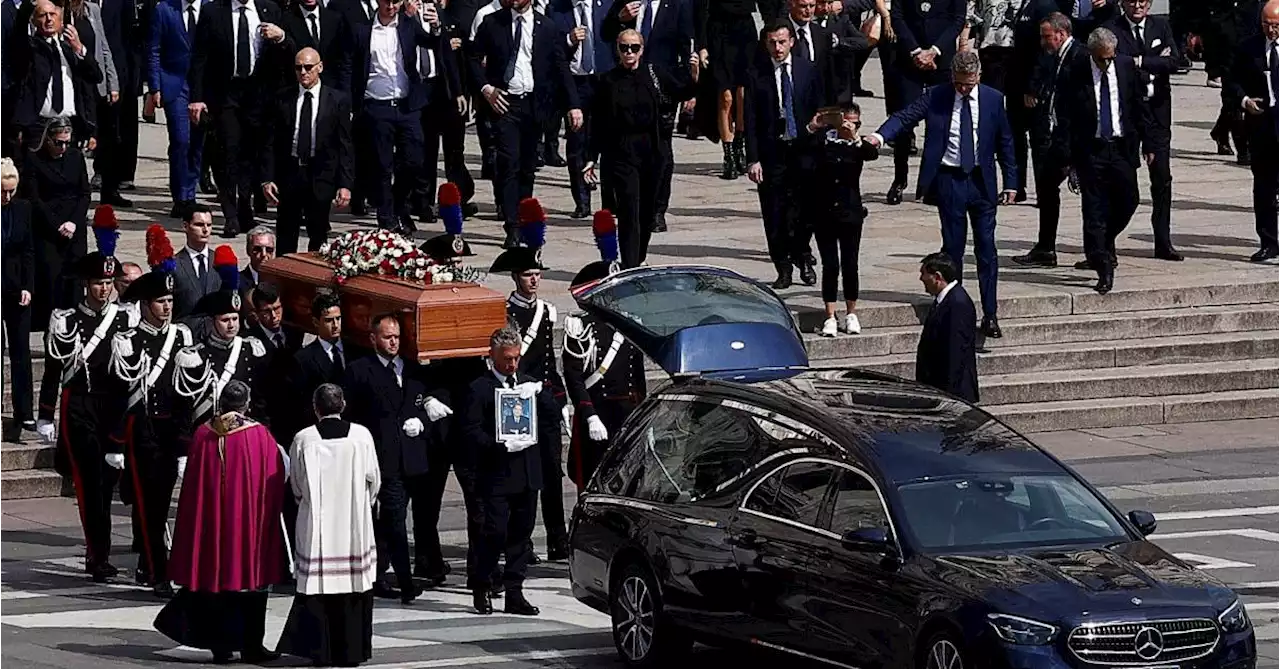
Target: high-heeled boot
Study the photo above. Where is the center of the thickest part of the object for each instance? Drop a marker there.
(730, 168)
(740, 153)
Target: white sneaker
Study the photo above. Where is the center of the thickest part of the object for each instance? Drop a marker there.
(851, 324)
(830, 327)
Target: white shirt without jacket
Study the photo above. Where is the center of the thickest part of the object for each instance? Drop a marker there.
(387, 78)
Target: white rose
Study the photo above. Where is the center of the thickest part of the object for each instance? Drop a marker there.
(444, 277)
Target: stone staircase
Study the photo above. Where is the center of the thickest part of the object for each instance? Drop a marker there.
(1067, 360)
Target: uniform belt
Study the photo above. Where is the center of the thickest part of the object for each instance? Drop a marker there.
(513, 96)
(633, 396)
(386, 103)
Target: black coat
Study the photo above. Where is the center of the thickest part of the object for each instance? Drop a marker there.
(332, 166)
(1077, 112)
(119, 18)
(1248, 78)
(1157, 36)
(334, 49)
(375, 401)
(213, 55)
(17, 248)
(1051, 80)
(947, 357)
(671, 38)
(918, 29)
(36, 58)
(58, 191)
(278, 401)
(840, 179)
(553, 83)
(497, 471)
(309, 369)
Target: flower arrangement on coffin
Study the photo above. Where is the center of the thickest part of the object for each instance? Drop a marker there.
(385, 253)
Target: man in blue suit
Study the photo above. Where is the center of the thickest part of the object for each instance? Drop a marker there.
(173, 26)
(966, 129)
(590, 54)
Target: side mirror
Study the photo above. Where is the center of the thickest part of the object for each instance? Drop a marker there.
(867, 540)
(1145, 521)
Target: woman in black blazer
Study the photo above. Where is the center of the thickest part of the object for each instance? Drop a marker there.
(17, 256)
(56, 182)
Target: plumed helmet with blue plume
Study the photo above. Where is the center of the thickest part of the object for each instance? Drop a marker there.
(605, 229)
(227, 267)
(160, 250)
(106, 229)
(533, 223)
(450, 199)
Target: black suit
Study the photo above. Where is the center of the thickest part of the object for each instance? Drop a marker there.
(1052, 79)
(311, 368)
(919, 29)
(116, 158)
(439, 70)
(1107, 168)
(39, 60)
(17, 248)
(946, 357)
(235, 102)
(1247, 78)
(508, 483)
(307, 184)
(1156, 67)
(279, 360)
(377, 401)
(333, 47)
(517, 132)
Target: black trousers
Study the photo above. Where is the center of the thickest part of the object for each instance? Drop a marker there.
(517, 135)
(17, 330)
(84, 423)
(909, 87)
(428, 496)
(1109, 196)
(1050, 174)
(839, 237)
(396, 136)
(783, 195)
(634, 169)
(300, 208)
(116, 157)
(666, 131)
(1265, 174)
(510, 520)
(443, 125)
(1161, 188)
(576, 144)
(552, 497)
(237, 126)
(151, 469)
(478, 529)
(1230, 126)
(389, 527)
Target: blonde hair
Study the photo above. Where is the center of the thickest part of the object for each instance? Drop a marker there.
(630, 32)
(8, 171)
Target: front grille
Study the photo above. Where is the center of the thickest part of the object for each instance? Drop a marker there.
(1160, 641)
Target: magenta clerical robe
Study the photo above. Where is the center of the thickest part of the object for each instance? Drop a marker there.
(228, 534)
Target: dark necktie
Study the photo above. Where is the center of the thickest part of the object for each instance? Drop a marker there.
(339, 367)
(200, 269)
(788, 115)
(315, 28)
(368, 9)
(966, 136)
(802, 42)
(304, 127)
(1275, 71)
(588, 46)
(1105, 121)
(510, 382)
(1137, 34)
(646, 25)
(391, 367)
(56, 100)
(1083, 9)
(191, 18)
(242, 44)
(515, 52)
(279, 340)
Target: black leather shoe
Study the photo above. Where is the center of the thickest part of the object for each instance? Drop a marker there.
(1169, 254)
(163, 591)
(259, 656)
(1038, 259)
(1084, 264)
(410, 593)
(427, 215)
(127, 186)
(498, 589)
(554, 159)
(517, 605)
(1264, 255)
(220, 657)
(558, 552)
(13, 432)
(480, 600)
(807, 274)
(581, 211)
(660, 223)
(1021, 195)
(991, 328)
(1105, 281)
(783, 281)
(102, 571)
(1224, 148)
(206, 184)
(894, 196)
(863, 93)
(534, 559)
(1244, 158)
(384, 591)
(408, 227)
(469, 209)
(115, 200)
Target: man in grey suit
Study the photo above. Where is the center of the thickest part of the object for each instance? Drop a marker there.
(194, 277)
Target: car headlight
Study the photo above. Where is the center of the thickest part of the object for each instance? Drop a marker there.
(1021, 631)
(1234, 619)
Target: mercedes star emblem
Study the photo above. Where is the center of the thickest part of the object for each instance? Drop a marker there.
(1136, 601)
(1148, 643)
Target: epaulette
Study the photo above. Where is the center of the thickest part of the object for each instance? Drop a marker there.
(184, 333)
(574, 326)
(132, 313)
(58, 321)
(256, 345)
(122, 345)
(551, 312)
(189, 357)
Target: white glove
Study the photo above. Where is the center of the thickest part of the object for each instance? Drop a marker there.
(517, 444)
(529, 389)
(45, 429)
(412, 427)
(436, 409)
(566, 418)
(115, 460)
(596, 429)
(182, 467)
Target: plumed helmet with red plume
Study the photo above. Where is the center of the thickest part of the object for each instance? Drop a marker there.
(450, 199)
(533, 223)
(227, 266)
(159, 250)
(605, 228)
(106, 229)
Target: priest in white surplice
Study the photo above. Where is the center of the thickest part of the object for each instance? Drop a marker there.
(335, 480)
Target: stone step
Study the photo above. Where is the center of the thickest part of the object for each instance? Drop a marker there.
(1098, 355)
(30, 483)
(29, 455)
(1121, 412)
(1128, 382)
(1055, 330)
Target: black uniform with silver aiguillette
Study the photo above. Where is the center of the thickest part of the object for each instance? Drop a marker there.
(604, 375)
(205, 369)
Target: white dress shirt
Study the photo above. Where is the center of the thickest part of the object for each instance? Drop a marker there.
(255, 35)
(575, 64)
(307, 16)
(777, 82)
(192, 254)
(952, 157)
(1053, 90)
(648, 7)
(1151, 82)
(943, 295)
(387, 78)
(297, 118)
(68, 87)
(195, 8)
(253, 272)
(807, 30)
(522, 82)
(481, 13)
(1273, 53)
(1110, 74)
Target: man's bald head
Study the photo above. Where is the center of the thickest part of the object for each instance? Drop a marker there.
(308, 67)
(1271, 20)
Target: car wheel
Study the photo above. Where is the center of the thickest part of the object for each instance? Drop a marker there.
(642, 634)
(943, 651)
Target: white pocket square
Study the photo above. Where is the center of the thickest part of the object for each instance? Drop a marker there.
(1155, 43)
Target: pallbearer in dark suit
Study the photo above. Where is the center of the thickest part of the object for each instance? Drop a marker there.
(603, 372)
(1253, 83)
(518, 61)
(781, 101)
(1101, 125)
(308, 160)
(393, 398)
(322, 361)
(16, 285)
(967, 135)
(946, 357)
(509, 473)
(1150, 42)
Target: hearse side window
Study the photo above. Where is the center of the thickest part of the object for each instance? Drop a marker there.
(793, 494)
(856, 505)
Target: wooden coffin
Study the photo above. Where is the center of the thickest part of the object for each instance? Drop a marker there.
(447, 320)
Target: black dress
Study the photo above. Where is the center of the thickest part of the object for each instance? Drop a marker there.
(727, 30)
(626, 140)
(58, 189)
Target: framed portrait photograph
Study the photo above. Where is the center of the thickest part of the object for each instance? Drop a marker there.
(515, 416)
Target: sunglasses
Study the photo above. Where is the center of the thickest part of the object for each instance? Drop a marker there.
(305, 67)
(262, 249)
(630, 48)
(61, 143)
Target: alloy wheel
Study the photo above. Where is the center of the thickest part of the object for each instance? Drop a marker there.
(944, 655)
(636, 624)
